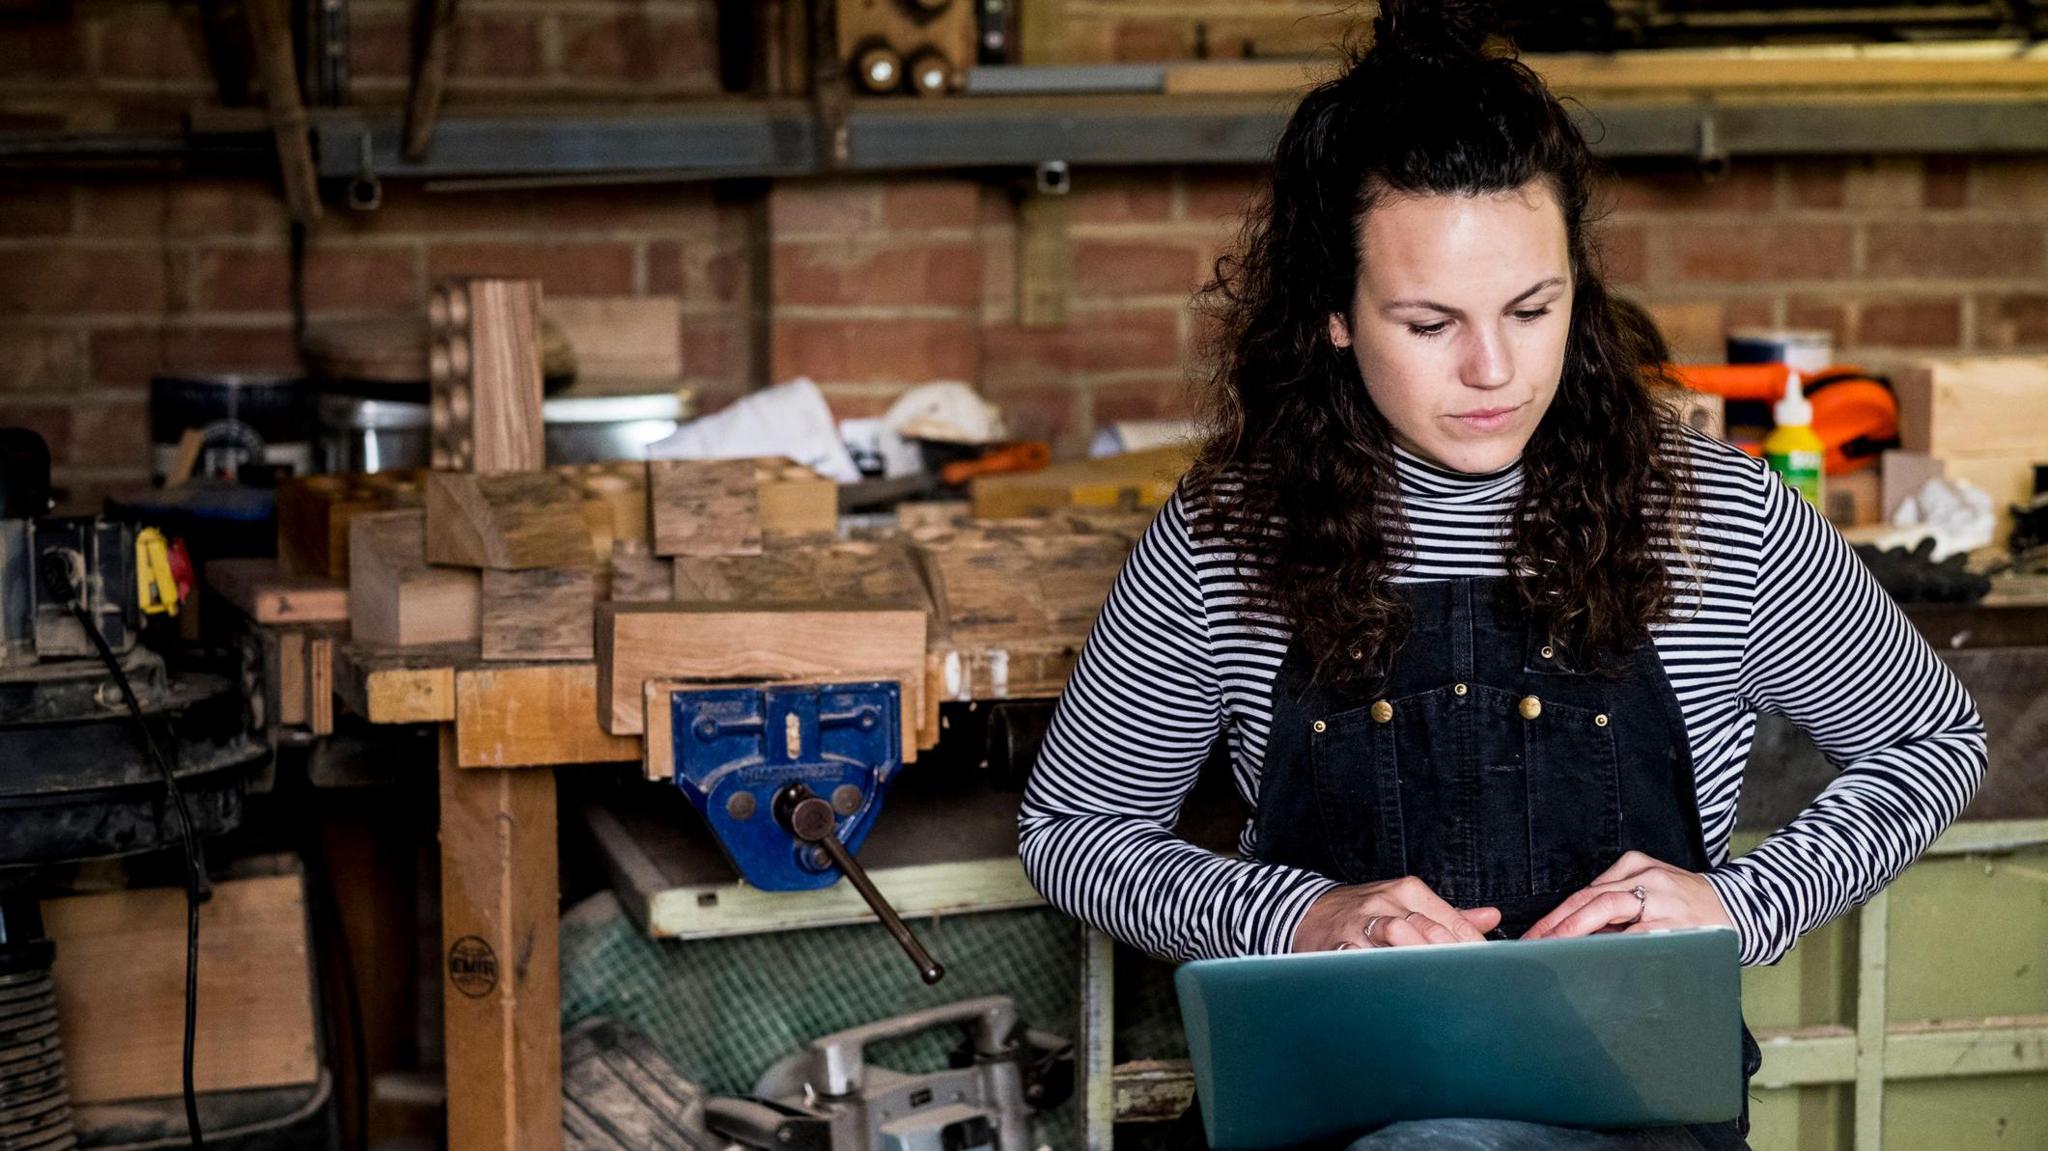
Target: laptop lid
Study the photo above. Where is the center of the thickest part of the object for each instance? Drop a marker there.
(1597, 1031)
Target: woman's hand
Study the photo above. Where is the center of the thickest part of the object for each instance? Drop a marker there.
(1394, 913)
(1637, 894)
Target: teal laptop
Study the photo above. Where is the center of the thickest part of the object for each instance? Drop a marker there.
(1597, 1031)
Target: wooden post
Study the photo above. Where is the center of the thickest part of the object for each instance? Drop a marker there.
(501, 956)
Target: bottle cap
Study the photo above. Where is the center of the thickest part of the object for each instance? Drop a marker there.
(1795, 410)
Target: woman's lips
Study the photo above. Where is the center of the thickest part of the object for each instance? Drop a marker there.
(1487, 419)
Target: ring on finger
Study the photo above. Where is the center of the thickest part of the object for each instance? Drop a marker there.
(1369, 925)
(1642, 902)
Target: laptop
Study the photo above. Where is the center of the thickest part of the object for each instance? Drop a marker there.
(1595, 1031)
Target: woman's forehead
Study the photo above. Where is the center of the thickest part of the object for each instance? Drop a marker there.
(1462, 243)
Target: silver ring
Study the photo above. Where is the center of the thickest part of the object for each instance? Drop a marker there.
(1642, 901)
(1369, 925)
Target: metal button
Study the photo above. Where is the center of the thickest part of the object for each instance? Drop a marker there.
(1459, 689)
(740, 806)
(1320, 725)
(1547, 651)
(1599, 721)
(1382, 711)
(1357, 653)
(1531, 707)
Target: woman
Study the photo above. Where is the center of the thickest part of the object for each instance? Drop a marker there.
(1486, 630)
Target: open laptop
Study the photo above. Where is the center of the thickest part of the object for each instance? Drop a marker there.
(1597, 1031)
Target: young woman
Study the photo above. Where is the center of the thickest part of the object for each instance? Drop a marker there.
(1444, 545)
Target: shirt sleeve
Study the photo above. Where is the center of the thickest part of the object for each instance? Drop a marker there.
(1829, 650)
(1127, 741)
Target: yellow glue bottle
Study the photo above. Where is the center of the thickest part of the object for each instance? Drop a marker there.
(1792, 449)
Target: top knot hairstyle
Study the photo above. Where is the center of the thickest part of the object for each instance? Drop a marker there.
(1298, 470)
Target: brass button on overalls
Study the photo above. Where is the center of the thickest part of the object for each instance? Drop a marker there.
(1531, 707)
(1382, 711)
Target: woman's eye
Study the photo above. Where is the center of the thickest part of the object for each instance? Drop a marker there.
(1533, 313)
(1428, 331)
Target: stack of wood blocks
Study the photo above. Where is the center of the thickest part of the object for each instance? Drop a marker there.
(1978, 418)
(313, 515)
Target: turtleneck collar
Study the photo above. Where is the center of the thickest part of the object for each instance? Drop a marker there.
(1433, 483)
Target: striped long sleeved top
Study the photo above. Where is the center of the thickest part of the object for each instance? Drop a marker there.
(1777, 615)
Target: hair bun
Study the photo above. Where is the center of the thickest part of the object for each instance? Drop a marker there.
(1434, 31)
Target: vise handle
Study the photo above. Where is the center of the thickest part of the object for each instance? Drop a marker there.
(808, 817)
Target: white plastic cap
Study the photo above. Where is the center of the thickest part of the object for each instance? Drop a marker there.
(1795, 410)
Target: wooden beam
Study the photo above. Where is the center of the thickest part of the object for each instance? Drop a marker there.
(501, 960)
(540, 613)
(511, 520)
(640, 575)
(267, 595)
(535, 715)
(429, 76)
(396, 598)
(704, 507)
(637, 642)
(270, 31)
(484, 373)
(399, 685)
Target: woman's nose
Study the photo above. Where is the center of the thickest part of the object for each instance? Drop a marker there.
(1488, 361)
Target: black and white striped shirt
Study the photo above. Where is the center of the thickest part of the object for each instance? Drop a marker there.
(1776, 614)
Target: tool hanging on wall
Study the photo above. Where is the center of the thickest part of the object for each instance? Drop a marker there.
(790, 779)
(920, 46)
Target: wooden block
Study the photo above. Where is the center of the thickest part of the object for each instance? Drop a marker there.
(320, 684)
(485, 374)
(1901, 474)
(501, 955)
(797, 504)
(1975, 406)
(1134, 481)
(533, 715)
(539, 613)
(399, 685)
(622, 338)
(313, 513)
(624, 495)
(395, 598)
(984, 591)
(512, 520)
(120, 979)
(1074, 575)
(1855, 499)
(704, 507)
(638, 642)
(285, 665)
(267, 595)
(640, 575)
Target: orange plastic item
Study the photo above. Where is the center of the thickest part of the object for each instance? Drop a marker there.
(1850, 408)
(1025, 456)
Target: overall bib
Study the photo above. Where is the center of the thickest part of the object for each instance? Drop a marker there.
(1487, 767)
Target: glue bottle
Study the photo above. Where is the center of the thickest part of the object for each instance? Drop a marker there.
(1792, 449)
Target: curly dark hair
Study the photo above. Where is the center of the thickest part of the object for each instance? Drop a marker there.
(1298, 469)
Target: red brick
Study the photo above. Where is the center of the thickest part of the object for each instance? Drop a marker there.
(362, 279)
(712, 270)
(712, 350)
(33, 359)
(1745, 253)
(60, 281)
(665, 267)
(181, 207)
(1167, 398)
(35, 207)
(379, 46)
(152, 42)
(569, 269)
(495, 45)
(1225, 197)
(408, 211)
(1111, 269)
(1910, 324)
(1040, 412)
(1940, 250)
(635, 47)
(1149, 40)
(1829, 316)
(946, 275)
(859, 402)
(919, 204)
(836, 207)
(41, 49)
(1888, 184)
(113, 433)
(1102, 198)
(1748, 187)
(48, 420)
(1093, 342)
(1947, 182)
(244, 280)
(126, 358)
(2010, 322)
(2010, 183)
(894, 351)
(1815, 184)
(1749, 314)
(1624, 253)
(645, 208)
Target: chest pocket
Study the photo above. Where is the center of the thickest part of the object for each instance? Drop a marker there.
(1482, 792)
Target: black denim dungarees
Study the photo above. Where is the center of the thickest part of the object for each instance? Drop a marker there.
(1486, 767)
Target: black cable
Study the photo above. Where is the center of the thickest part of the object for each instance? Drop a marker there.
(57, 577)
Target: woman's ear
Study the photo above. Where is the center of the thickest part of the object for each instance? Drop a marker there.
(1340, 332)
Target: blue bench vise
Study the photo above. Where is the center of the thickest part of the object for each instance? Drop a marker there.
(790, 779)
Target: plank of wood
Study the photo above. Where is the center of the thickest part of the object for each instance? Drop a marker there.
(638, 642)
(625, 339)
(501, 955)
(1134, 481)
(1975, 406)
(640, 575)
(509, 520)
(539, 613)
(623, 493)
(270, 34)
(533, 715)
(285, 668)
(266, 594)
(797, 504)
(704, 507)
(120, 979)
(396, 598)
(485, 369)
(984, 591)
(400, 685)
(320, 684)
(1074, 574)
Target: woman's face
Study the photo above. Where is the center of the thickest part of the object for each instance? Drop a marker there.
(1459, 324)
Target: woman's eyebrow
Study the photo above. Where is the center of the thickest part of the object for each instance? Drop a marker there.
(1446, 309)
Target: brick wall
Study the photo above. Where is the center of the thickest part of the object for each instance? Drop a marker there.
(870, 284)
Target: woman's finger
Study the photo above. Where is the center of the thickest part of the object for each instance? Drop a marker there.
(1461, 925)
(1607, 909)
(1406, 930)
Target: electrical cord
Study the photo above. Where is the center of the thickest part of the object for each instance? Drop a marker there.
(59, 580)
